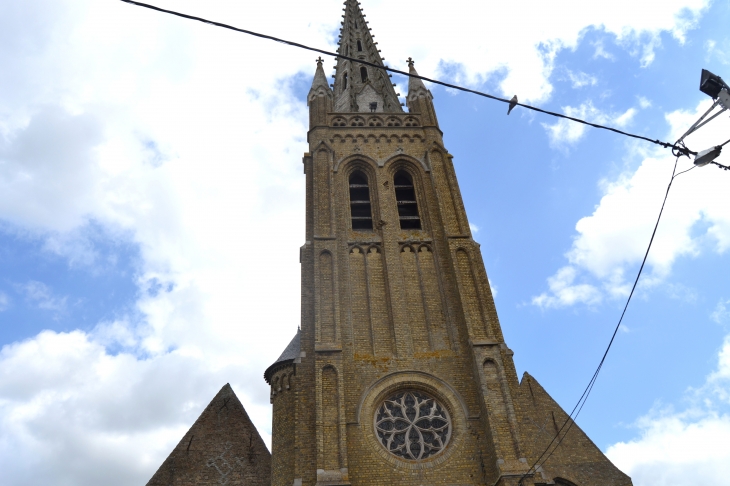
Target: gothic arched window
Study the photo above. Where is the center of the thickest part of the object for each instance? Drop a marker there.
(360, 208)
(364, 73)
(344, 81)
(359, 46)
(405, 195)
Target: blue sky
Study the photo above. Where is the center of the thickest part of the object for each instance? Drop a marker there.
(151, 197)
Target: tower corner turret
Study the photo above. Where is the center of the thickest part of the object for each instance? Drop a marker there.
(420, 99)
(319, 98)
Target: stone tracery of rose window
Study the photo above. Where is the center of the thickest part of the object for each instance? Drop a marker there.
(412, 425)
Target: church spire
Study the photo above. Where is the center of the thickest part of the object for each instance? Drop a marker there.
(320, 78)
(420, 99)
(319, 98)
(359, 87)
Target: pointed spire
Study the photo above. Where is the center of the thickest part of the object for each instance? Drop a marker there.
(319, 98)
(359, 87)
(320, 78)
(419, 99)
(415, 85)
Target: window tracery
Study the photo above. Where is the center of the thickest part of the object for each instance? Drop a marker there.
(412, 425)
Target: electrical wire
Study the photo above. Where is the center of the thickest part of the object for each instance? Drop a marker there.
(584, 397)
(678, 149)
(675, 147)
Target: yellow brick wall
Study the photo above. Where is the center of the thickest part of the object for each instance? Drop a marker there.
(393, 309)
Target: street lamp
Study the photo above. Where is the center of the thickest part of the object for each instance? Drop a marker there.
(706, 156)
(714, 87)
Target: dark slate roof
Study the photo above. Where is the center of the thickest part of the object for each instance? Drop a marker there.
(292, 352)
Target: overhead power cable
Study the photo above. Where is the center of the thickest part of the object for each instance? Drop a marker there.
(568, 424)
(675, 147)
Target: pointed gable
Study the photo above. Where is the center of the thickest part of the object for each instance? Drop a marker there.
(577, 459)
(222, 447)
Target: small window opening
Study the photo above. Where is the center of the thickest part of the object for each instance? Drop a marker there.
(364, 73)
(359, 46)
(360, 207)
(347, 50)
(344, 81)
(373, 107)
(405, 195)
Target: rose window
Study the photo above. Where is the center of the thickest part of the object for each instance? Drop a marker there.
(412, 425)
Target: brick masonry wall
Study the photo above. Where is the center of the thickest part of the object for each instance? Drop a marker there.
(387, 310)
(283, 399)
(222, 447)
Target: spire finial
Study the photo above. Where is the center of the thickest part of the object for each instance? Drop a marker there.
(320, 78)
(410, 62)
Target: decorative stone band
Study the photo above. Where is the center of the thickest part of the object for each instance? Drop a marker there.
(388, 120)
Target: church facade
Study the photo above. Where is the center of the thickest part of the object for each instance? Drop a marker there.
(400, 373)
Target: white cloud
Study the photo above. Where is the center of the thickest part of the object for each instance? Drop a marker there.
(601, 53)
(644, 103)
(41, 295)
(564, 292)
(185, 140)
(717, 52)
(676, 450)
(683, 448)
(194, 159)
(4, 301)
(581, 79)
(614, 238)
(474, 228)
(625, 118)
(526, 54)
(566, 132)
(81, 415)
(721, 314)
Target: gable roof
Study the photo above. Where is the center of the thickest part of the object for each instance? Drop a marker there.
(222, 447)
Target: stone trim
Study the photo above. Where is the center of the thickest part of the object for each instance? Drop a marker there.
(396, 156)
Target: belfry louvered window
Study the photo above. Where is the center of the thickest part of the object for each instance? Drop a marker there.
(405, 195)
(359, 46)
(360, 208)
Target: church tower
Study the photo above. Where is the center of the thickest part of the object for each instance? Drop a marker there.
(400, 373)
